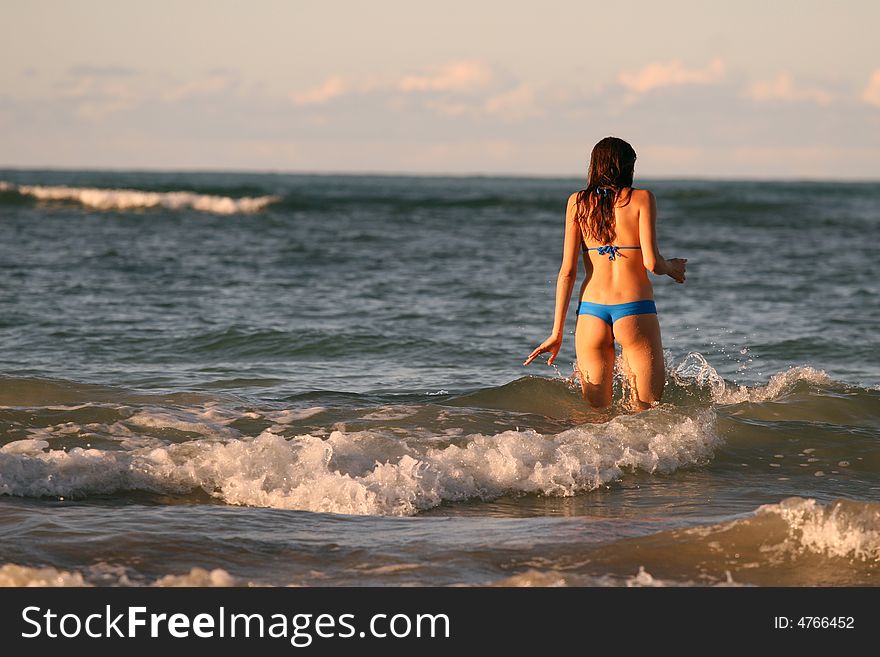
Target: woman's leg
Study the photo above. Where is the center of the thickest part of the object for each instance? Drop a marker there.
(639, 336)
(595, 359)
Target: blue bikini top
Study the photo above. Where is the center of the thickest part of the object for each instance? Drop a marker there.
(611, 251)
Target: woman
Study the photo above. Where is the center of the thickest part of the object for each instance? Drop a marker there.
(615, 225)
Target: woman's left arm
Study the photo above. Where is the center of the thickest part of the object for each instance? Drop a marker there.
(565, 281)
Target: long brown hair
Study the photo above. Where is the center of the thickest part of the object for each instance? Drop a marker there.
(612, 162)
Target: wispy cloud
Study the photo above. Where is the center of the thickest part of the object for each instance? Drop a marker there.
(213, 83)
(450, 78)
(331, 88)
(519, 102)
(669, 74)
(448, 107)
(454, 76)
(96, 97)
(783, 88)
(95, 93)
(454, 89)
(871, 94)
(102, 71)
(100, 108)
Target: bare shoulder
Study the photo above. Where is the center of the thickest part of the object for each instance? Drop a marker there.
(572, 203)
(642, 197)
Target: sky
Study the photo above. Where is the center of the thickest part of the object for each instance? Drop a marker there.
(770, 89)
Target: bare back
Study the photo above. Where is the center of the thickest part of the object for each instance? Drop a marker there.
(625, 278)
(622, 280)
(619, 298)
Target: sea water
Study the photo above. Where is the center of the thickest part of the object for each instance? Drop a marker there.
(227, 379)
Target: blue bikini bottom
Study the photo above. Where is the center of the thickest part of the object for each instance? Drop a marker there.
(610, 313)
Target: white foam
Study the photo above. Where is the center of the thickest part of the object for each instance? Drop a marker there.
(198, 577)
(205, 423)
(370, 472)
(26, 446)
(645, 579)
(545, 578)
(554, 578)
(14, 575)
(209, 421)
(390, 413)
(127, 199)
(118, 431)
(289, 415)
(840, 529)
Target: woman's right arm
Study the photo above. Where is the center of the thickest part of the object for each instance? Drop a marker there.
(565, 281)
(653, 261)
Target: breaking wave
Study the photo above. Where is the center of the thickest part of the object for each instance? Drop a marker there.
(364, 472)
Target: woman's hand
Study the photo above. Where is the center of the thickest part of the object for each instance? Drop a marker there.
(551, 344)
(677, 267)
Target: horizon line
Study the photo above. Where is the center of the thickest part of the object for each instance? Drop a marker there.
(425, 174)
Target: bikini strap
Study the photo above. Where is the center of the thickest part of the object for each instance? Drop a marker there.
(611, 251)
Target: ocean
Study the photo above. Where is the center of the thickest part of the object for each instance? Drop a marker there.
(272, 379)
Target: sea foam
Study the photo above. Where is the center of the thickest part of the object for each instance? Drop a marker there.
(16, 575)
(842, 528)
(642, 579)
(368, 472)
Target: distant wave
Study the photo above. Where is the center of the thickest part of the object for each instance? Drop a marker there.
(299, 199)
(129, 199)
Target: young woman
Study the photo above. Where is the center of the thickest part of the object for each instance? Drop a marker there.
(615, 225)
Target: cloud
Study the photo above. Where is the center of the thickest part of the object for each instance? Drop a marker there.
(101, 71)
(449, 108)
(517, 103)
(871, 94)
(669, 74)
(453, 89)
(97, 97)
(332, 87)
(101, 108)
(214, 83)
(782, 87)
(513, 104)
(454, 76)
